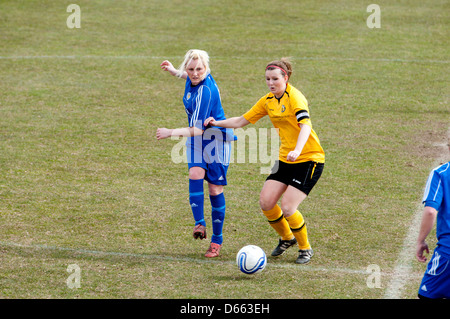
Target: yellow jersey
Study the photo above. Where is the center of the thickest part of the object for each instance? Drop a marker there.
(286, 114)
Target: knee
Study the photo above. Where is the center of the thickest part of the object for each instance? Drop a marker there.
(196, 173)
(215, 190)
(287, 208)
(266, 204)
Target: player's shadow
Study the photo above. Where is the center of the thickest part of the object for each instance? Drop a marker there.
(234, 275)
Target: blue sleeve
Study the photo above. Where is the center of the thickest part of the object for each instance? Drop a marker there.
(202, 108)
(433, 191)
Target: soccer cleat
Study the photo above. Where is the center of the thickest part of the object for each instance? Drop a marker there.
(304, 256)
(199, 231)
(283, 245)
(213, 250)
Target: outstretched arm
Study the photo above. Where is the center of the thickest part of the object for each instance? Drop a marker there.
(162, 133)
(167, 66)
(233, 122)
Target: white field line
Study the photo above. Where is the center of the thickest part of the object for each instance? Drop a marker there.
(100, 253)
(406, 256)
(307, 268)
(25, 57)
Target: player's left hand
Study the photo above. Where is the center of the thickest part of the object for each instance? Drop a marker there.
(209, 121)
(292, 156)
(162, 133)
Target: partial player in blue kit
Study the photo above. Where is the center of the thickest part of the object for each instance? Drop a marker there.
(436, 280)
(208, 148)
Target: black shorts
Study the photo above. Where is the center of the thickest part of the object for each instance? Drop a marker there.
(302, 176)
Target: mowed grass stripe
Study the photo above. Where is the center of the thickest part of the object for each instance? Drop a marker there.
(221, 58)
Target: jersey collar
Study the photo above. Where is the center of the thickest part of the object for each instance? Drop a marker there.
(287, 91)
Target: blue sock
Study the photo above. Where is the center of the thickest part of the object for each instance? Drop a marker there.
(218, 217)
(196, 199)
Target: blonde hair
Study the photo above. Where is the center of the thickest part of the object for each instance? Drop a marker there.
(284, 64)
(194, 54)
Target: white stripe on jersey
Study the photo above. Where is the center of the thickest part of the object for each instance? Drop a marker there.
(437, 190)
(198, 101)
(427, 186)
(198, 105)
(430, 178)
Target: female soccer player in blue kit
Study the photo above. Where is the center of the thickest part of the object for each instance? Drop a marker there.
(208, 149)
(436, 280)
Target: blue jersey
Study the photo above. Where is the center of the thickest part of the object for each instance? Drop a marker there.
(202, 101)
(212, 149)
(437, 195)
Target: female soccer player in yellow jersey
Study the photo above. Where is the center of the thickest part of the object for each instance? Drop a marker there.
(301, 157)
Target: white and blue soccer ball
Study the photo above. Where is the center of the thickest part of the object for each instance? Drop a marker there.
(251, 259)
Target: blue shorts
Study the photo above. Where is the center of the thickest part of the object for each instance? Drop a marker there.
(436, 281)
(210, 151)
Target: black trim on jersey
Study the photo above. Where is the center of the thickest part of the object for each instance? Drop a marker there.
(278, 99)
(301, 115)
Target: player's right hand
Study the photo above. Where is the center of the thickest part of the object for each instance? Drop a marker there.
(162, 133)
(167, 66)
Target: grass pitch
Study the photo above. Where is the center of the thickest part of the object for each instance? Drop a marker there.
(84, 181)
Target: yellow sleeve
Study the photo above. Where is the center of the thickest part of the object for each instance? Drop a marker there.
(301, 110)
(257, 111)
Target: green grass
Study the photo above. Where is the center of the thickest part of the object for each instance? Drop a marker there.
(81, 169)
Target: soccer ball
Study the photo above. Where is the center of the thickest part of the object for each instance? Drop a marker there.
(251, 259)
